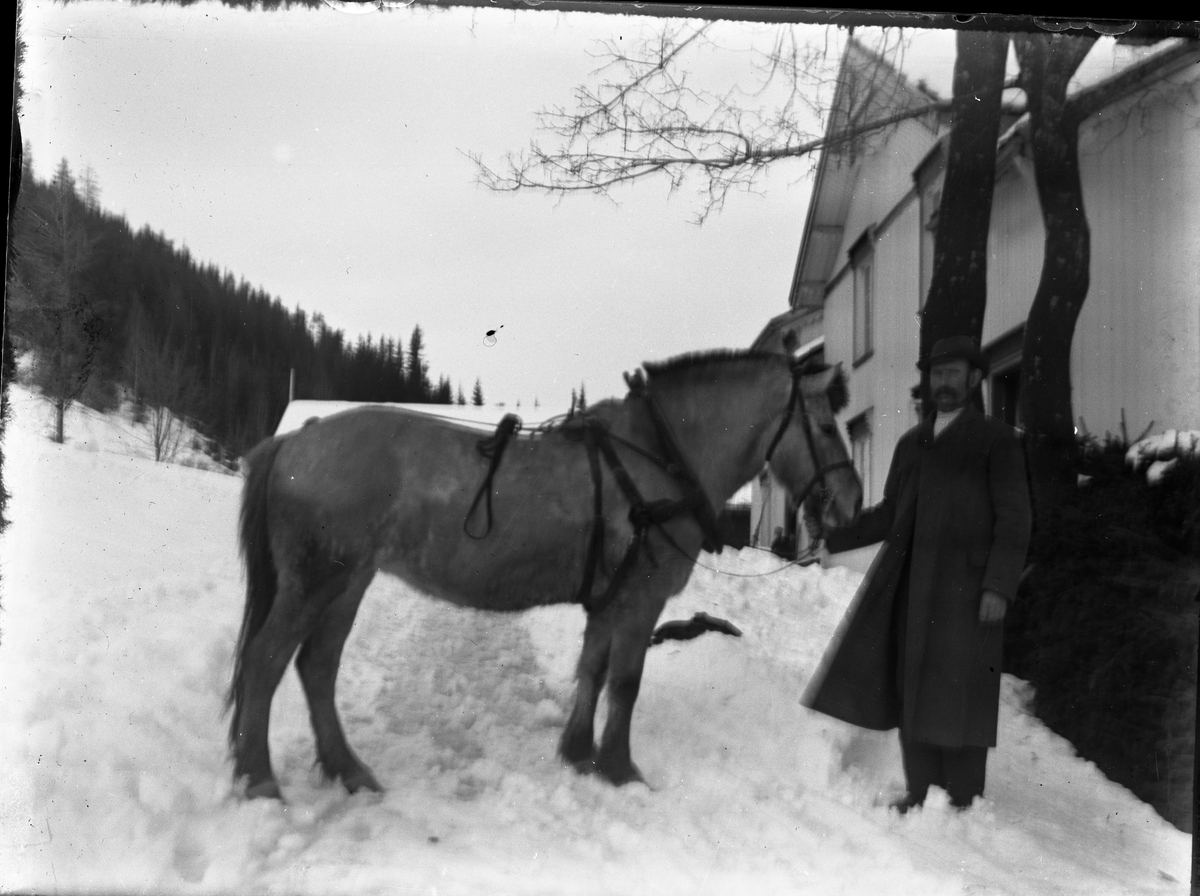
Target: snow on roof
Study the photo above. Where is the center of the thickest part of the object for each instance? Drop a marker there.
(809, 348)
(743, 495)
(484, 417)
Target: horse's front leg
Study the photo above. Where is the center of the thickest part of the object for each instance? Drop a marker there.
(576, 747)
(627, 655)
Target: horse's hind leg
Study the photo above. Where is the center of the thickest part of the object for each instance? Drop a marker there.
(317, 664)
(576, 746)
(264, 660)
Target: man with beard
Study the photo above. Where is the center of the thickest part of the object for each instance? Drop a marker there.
(921, 646)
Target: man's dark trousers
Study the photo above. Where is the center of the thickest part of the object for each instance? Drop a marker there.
(960, 771)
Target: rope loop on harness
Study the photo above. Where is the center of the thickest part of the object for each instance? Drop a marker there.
(491, 448)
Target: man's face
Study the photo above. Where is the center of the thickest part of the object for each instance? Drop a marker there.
(951, 382)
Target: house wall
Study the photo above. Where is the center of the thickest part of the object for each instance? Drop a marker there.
(886, 177)
(1015, 240)
(1137, 341)
(884, 197)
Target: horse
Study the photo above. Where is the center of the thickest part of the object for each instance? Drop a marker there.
(608, 508)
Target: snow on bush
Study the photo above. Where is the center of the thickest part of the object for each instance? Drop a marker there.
(1160, 453)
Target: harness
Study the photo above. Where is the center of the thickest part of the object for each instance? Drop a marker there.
(796, 400)
(643, 514)
(493, 449)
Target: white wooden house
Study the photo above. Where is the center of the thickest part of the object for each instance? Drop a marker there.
(866, 253)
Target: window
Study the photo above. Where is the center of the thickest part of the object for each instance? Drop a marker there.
(859, 430)
(1005, 392)
(931, 199)
(914, 410)
(864, 306)
(1002, 387)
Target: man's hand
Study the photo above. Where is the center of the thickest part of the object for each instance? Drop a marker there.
(992, 606)
(814, 526)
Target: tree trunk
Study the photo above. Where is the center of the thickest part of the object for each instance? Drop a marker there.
(60, 407)
(958, 288)
(1047, 64)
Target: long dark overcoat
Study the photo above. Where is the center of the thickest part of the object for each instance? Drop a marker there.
(955, 520)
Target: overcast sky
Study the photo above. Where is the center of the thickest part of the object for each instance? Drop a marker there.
(320, 156)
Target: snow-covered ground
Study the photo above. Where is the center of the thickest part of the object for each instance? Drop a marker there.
(121, 599)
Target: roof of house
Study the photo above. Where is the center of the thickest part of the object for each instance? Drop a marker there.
(869, 88)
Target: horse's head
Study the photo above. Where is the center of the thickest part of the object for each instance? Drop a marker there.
(807, 453)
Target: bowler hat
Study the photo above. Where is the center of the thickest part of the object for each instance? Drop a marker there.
(955, 347)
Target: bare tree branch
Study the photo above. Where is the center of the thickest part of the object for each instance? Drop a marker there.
(653, 116)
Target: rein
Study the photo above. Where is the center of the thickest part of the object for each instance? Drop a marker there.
(796, 399)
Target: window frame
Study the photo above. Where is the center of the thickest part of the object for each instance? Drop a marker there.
(860, 433)
(863, 317)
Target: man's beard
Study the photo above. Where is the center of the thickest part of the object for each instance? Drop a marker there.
(953, 397)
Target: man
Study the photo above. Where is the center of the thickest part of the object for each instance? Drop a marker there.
(921, 647)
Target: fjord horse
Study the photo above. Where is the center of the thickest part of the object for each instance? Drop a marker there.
(609, 509)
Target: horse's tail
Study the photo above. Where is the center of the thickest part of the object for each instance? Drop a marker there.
(261, 575)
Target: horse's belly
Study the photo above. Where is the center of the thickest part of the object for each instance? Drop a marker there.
(473, 576)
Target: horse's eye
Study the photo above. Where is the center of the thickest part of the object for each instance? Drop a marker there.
(830, 429)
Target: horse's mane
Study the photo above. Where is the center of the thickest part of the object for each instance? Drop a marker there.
(838, 390)
(691, 360)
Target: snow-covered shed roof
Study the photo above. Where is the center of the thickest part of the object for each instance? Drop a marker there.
(484, 417)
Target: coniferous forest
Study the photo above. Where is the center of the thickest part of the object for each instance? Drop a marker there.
(104, 310)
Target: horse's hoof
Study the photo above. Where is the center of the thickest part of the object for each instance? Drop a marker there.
(582, 766)
(578, 752)
(268, 789)
(621, 774)
(362, 780)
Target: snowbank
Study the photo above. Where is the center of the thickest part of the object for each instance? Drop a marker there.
(122, 596)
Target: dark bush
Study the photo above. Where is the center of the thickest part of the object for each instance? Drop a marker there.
(101, 395)
(1105, 625)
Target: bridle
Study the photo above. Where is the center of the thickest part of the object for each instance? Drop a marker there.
(796, 400)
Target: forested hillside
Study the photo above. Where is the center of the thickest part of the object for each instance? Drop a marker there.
(101, 307)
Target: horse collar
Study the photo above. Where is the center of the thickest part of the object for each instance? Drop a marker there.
(677, 465)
